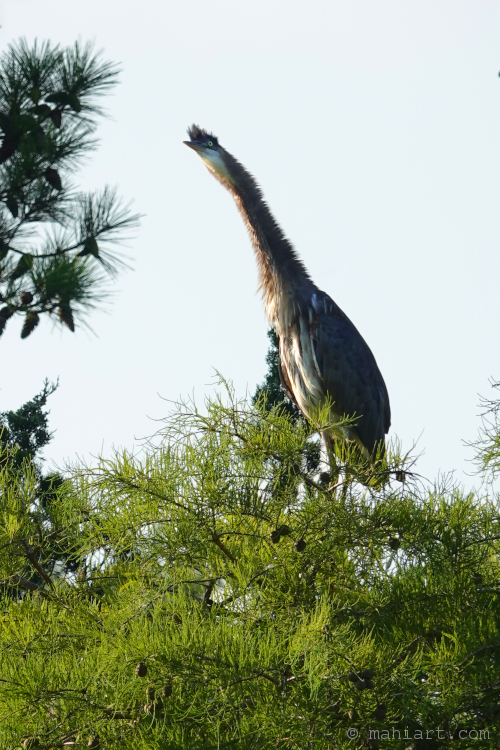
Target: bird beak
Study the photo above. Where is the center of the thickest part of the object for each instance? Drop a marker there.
(195, 146)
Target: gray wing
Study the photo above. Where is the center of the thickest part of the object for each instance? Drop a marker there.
(350, 373)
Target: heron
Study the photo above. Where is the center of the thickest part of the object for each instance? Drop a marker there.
(323, 359)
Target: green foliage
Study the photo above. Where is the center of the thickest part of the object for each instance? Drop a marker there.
(225, 597)
(487, 446)
(23, 435)
(271, 392)
(48, 109)
(25, 431)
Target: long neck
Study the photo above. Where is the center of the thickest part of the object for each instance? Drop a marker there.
(283, 278)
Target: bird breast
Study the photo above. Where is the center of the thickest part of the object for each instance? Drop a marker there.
(299, 361)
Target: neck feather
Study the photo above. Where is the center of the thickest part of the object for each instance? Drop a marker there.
(284, 280)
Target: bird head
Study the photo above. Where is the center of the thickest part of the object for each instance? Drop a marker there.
(207, 146)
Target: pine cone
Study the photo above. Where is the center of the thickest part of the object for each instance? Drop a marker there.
(74, 103)
(26, 298)
(90, 248)
(141, 669)
(275, 536)
(23, 266)
(39, 137)
(66, 316)
(35, 94)
(300, 545)
(8, 147)
(5, 314)
(53, 178)
(285, 530)
(56, 117)
(31, 321)
(12, 205)
(43, 110)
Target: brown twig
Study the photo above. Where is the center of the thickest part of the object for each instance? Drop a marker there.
(216, 539)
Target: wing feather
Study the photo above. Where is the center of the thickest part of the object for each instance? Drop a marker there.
(350, 373)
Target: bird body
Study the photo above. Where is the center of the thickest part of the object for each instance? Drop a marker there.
(322, 355)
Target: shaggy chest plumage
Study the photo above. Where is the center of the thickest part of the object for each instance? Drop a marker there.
(298, 344)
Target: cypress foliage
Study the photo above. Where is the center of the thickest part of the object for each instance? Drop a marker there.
(226, 598)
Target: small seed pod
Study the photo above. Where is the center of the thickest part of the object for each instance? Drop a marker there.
(141, 669)
(394, 543)
(369, 685)
(94, 741)
(325, 477)
(166, 691)
(26, 298)
(300, 545)
(360, 685)
(352, 677)
(285, 530)
(400, 476)
(380, 712)
(353, 714)
(366, 674)
(177, 619)
(275, 536)
(477, 578)
(150, 693)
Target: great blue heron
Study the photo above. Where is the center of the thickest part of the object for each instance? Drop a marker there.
(322, 355)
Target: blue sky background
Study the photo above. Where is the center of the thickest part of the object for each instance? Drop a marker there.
(374, 130)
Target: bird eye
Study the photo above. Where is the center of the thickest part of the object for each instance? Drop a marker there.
(210, 144)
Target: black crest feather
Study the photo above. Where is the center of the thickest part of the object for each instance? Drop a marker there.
(198, 134)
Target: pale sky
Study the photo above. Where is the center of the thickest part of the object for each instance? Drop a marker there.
(374, 131)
